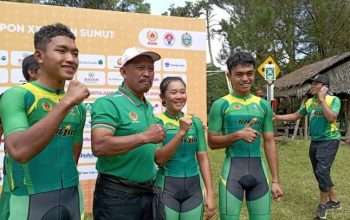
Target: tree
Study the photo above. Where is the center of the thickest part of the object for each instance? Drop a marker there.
(196, 10)
(294, 32)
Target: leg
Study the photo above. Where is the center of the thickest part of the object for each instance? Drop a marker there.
(19, 207)
(110, 203)
(258, 194)
(230, 192)
(192, 203)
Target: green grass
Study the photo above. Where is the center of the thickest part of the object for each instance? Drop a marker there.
(300, 188)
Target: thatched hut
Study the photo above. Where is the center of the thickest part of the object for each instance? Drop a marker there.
(295, 84)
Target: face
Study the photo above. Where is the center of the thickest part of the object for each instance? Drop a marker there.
(315, 87)
(59, 59)
(175, 97)
(242, 78)
(138, 74)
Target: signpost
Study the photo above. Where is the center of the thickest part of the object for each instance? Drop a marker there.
(269, 69)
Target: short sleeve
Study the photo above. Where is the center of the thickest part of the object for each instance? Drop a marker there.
(268, 125)
(104, 114)
(216, 116)
(13, 110)
(202, 143)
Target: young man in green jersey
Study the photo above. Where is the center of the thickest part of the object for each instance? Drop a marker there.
(322, 111)
(43, 132)
(239, 122)
(30, 70)
(124, 133)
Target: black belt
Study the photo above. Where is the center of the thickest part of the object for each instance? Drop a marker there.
(124, 185)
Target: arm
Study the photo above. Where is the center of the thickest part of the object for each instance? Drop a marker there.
(26, 144)
(164, 153)
(104, 143)
(289, 117)
(328, 113)
(218, 141)
(204, 165)
(272, 159)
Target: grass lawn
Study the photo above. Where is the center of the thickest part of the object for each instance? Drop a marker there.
(301, 193)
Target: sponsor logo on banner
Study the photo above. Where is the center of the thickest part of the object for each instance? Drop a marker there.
(92, 77)
(178, 65)
(87, 126)
(114, 78)
(87, 172)
(91, 61)
(152, 37)
(4, 57)
(4, 75)
(17, 76)
(152, 94)
(157, 107)
(112, 62)
(86, 156)
(169, 39)
(157, 79)
(186, 39)
(182, 76)
(96, 92)
(173, 39)
(86, 140)
(18, 56)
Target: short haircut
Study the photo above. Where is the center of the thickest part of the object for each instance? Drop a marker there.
(240, 58)
(46, 33)
(165, 83)
(29, 63)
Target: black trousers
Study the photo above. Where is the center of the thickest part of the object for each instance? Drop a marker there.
(113, 201)
(322, 155)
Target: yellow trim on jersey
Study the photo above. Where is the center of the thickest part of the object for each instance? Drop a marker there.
(231, 99)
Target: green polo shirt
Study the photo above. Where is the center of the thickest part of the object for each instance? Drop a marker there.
(319, 127)
(232, 113)
(124, 114)
(54, 167)
(184, 161)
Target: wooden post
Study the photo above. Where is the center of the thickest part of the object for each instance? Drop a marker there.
(306, 122)
(296, 128)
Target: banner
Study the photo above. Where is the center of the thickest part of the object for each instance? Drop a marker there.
(102, 37)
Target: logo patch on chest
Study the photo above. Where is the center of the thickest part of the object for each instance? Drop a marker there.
(237, 107)
(133, 116)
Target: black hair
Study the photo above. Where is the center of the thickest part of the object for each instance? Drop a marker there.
(46, 33)
(29, 63)
(240, 58)
(165, 83)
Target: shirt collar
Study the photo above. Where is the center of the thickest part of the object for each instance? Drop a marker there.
(57, 91)
(132, 97)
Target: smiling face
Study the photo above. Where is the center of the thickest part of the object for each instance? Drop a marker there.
(138, 75)
(242, 78)
(59, 60)
(174, 97)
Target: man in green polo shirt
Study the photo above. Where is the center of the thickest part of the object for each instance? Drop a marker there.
(322, 111)
(124, 133)
(43, 132)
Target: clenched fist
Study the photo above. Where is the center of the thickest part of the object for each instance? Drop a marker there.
(76, 92)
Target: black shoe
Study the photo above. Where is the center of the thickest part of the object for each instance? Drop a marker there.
(333, 205)
(321, 212)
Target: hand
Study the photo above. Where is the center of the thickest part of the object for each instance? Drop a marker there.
(322, 93)
(276, 191)
(274, 118)
(154, 134)
(209, 207)
(248, 133)
(76, 93)
(185, 124)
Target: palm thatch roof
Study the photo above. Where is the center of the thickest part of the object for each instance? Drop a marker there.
(296, 82)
